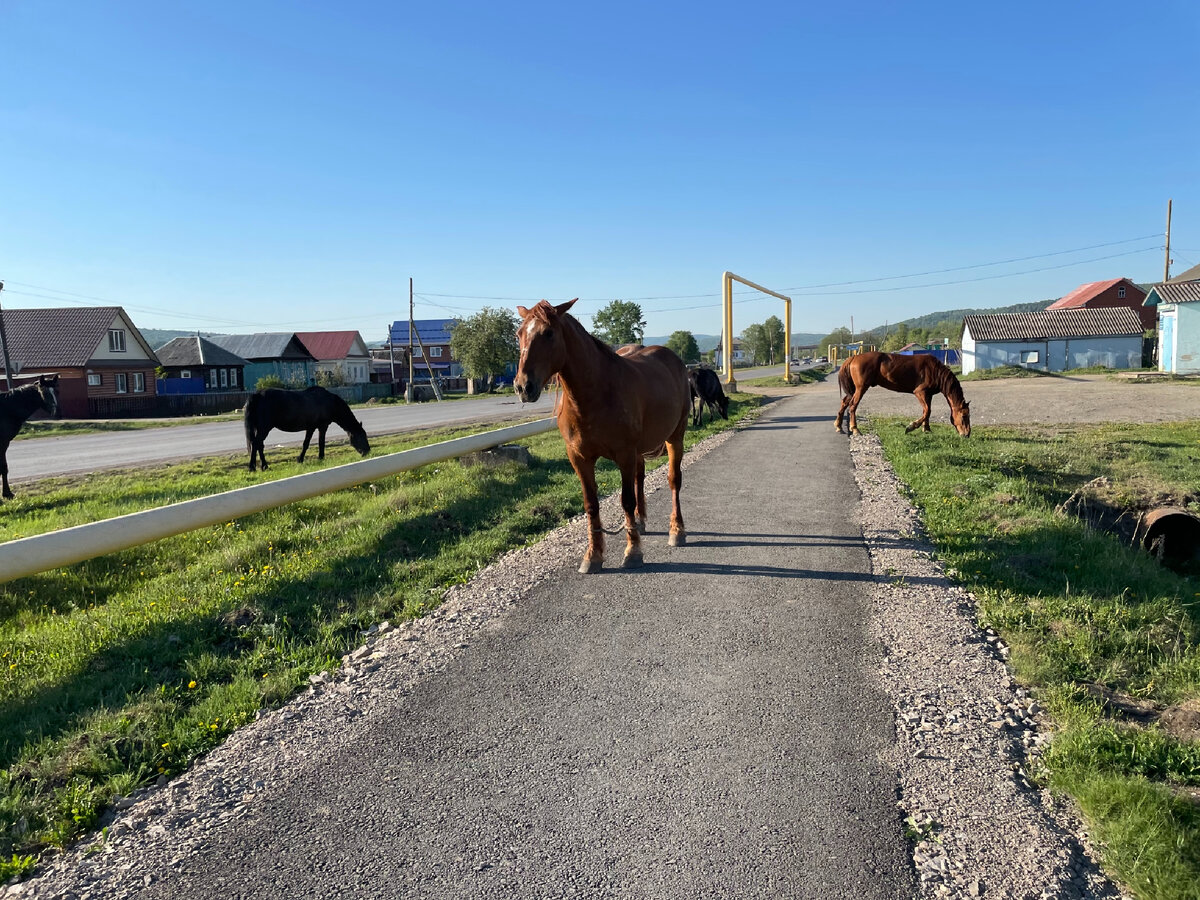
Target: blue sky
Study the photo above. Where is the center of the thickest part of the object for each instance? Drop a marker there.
(289, 166)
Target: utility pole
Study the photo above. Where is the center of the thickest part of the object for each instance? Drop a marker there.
(4, 346)
(392, 353)
(1167, 262)
(408, 391)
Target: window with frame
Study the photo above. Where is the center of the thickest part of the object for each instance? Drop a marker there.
(1121, 292)
(122, 383)
(212, 378)
(94, 379)
(224, 378)
(1029, 356)
(139, 382)
(185, 373)
(116, 340)
(435, 351)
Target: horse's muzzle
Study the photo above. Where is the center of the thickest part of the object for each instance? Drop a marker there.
(527, 391)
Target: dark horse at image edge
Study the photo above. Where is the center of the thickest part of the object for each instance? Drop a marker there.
(921, 375)
(312, 409)
(626, 405)
(18, 405)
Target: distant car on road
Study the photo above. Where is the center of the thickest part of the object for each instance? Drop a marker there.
(822, 359)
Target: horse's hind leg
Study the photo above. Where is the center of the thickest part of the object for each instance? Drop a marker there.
(678, 534)
(7, 493)
(854, 401)
(842, 412)
(321, 442)
(629, 503)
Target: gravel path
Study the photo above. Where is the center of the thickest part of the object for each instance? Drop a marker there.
(963, 729)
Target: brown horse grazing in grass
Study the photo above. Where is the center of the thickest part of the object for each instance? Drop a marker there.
(920, 374)
(625, 405)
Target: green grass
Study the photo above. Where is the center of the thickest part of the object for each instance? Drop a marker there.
(1078, 608)
(129, 666)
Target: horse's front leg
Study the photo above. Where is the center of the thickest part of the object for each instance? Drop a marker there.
(7, 494)
(629, 503)
(678, 535)
(922, 421)
(304, 449)
(593, 560)
(321, 442)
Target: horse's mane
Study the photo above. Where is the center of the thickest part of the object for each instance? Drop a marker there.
(947, 383)
(544, 311)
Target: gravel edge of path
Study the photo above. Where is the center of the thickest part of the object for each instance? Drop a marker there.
(966, 732)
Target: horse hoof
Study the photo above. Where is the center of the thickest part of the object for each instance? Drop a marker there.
(678, 539)
(631, 561)
(590, 566)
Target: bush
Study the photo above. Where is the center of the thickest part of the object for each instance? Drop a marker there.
(269, 381)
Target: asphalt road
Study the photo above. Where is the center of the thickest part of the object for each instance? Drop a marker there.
(707, 726)
(71, 454)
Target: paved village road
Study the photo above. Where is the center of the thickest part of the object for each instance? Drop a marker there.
(709, 725)
(72, 454)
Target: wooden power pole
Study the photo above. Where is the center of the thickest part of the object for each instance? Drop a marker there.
(1167, 261)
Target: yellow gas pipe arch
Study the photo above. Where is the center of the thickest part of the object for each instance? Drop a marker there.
(727, 280)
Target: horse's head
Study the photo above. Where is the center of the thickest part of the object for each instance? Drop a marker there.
(358, 438)
(543, 347)
(47, 386)
(961, 418)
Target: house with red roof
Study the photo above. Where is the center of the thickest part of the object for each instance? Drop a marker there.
(341, 352)
(105, 367)
(1107, 295)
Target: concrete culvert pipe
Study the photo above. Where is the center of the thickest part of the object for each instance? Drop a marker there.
(1172, 536)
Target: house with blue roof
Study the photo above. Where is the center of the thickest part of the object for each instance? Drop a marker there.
(433, 337)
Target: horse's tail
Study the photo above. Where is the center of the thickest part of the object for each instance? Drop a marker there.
(250, 420)
(845, 381)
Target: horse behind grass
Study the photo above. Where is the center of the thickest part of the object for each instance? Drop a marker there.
(625, 405)
(920, 374)
(18, 405)
(309, 410)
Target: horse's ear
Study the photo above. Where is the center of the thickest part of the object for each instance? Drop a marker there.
(563, 307)
(522, 312)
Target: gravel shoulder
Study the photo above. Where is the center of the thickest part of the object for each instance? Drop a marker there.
(963, 734)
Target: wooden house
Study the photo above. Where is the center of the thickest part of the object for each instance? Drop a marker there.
(280, 354)
(341, 352)
(105, 366)
(1053, 340)
(1109, 294)
(195, 365)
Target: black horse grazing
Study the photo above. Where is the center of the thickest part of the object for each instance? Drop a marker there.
(706, 391)
(308, 411)
(17, 406)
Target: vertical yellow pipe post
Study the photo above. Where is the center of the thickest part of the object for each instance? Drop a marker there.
(787, 341)
(727, 331)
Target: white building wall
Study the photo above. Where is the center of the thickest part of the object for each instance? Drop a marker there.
(1115, 352)
(1187, 339)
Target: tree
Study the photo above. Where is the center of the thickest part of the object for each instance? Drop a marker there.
(684, 344)
(838, 336)
(485, 343)
(773, 335)
(620, 322)
(756, 340)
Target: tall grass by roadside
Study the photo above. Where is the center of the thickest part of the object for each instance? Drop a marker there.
(129, 666)
(1081, 610)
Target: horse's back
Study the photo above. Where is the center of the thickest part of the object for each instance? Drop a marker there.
(663, 387)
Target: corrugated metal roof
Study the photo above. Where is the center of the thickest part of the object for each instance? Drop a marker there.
(48, 338)
(1171, 292)
(1053, 323)
(429, 331)
(1192, 274)
(264, 345)
(196, 351)
(1085, 292)
(329, 344)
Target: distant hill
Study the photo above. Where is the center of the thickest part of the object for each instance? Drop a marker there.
(930, 319)
(708, 342)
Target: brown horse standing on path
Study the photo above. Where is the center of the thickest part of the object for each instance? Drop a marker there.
(920, 374)
(625, 406)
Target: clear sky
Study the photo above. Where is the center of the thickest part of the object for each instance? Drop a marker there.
(276, 166)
